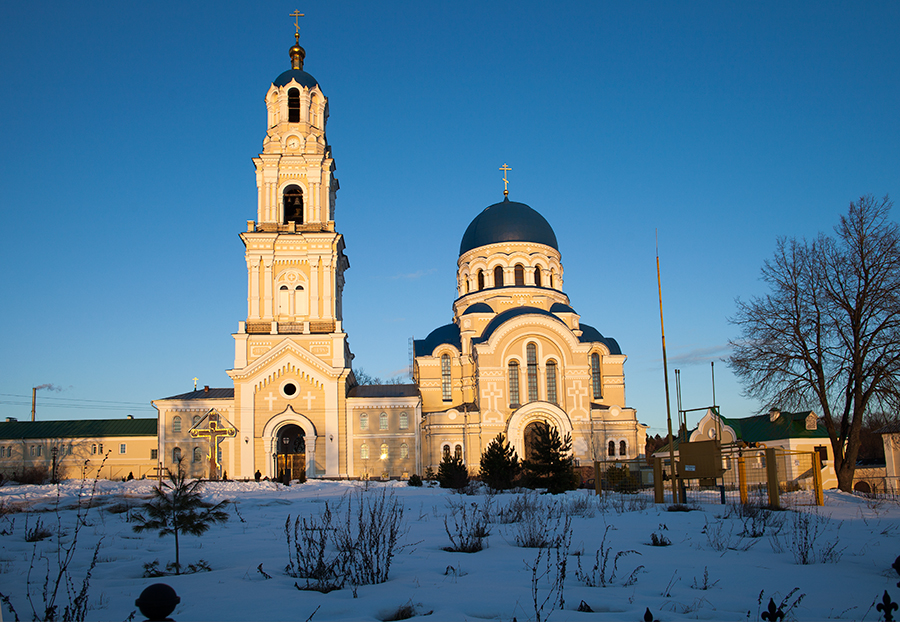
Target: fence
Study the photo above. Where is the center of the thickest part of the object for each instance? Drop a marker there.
(765, 476)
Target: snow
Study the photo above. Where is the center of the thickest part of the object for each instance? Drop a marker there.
(493, 584)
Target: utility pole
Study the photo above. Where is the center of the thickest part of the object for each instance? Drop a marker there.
(33, 400)
(666, 380)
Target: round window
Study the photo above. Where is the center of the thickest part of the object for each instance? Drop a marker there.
(289, 389)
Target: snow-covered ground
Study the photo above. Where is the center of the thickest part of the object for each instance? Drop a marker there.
(493, 584)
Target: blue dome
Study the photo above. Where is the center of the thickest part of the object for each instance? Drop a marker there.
(302, 78)
(507, 222)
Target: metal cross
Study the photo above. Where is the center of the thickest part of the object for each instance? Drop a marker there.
(505, 168)
(297, 15)
(215, 434)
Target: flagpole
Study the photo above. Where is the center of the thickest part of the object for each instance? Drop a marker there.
(666, 379)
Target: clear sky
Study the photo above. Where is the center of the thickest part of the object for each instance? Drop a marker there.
(127, 131)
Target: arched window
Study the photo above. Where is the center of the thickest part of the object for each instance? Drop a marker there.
(537, 276)
(498, 276)
(531, 356)
(195, 420)
(446, 392)
(293, 204)
(364, 451)
(623, 449)
(382, 421)
(445, 452)
(198, 456)
(457, 452)
(176, 425)
(404, 421)
(520, 275)
(384, 451)
(294, 106)
(551, 381)
(364, 421)
(480, 280)
(514, 384)
(404, 451)
(176, 455)
(595, 376)
(612, 449)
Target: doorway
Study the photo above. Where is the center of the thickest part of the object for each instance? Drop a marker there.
(290, 456)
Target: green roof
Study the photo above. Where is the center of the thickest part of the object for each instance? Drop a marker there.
(83, 428)
(760, 428)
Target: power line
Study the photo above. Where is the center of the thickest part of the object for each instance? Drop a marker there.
(74, 399)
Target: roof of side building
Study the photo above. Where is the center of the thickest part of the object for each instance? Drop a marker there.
(82, 428)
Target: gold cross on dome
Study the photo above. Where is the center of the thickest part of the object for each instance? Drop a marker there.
(297, 15)
(505, 168)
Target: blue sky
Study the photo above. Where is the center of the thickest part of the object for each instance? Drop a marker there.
(128, 131)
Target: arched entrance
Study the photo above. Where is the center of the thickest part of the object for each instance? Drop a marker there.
(529, 436)
(290, 453)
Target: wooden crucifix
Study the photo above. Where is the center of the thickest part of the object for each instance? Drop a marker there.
(215, 434)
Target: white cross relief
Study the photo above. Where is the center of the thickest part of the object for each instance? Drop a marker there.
(310, 398)
(577, 393)
(492, 395)
(271, 399)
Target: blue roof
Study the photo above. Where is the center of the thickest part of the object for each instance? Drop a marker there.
(589, 334)
(479, 307)
(559, 307)
(507, 221)
(302, 78)
(449, 334)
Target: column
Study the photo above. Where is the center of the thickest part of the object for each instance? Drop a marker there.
(253, 264)
(267, 288)
(314, 288)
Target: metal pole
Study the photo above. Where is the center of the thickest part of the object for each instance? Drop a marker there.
(666, 380)
(33, 400)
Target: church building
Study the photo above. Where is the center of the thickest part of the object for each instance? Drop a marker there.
(516, 351)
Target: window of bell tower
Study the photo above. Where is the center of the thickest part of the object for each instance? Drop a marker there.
(293, 205)
(294, 106)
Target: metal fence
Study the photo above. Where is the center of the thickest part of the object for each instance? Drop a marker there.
(762, 476)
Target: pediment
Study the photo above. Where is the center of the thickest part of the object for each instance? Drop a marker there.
(284, 353)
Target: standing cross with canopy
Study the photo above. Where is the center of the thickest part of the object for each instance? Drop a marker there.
(215, 434)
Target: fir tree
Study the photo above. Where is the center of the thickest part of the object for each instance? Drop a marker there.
(452, 473)
(177, 508)
(499, 464)
(551, 465)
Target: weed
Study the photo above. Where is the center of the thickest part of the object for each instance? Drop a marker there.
(682, 507)
(539, 529)
(705, 583)
(36, 533)
(804, 538)
(470, 526)
(602, 574)
(658, 538)
(778, 611)
(405, 612)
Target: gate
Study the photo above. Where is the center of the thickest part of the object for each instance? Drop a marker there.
(291, 467)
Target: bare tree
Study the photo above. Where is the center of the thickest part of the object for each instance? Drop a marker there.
(827, 335)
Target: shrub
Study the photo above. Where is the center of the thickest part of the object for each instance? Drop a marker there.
(414, 480)
(499, 464)
(452, 473)
(34, 475)
(551, 465)
(369, 537)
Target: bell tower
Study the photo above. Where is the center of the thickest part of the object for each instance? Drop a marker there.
(292, 358)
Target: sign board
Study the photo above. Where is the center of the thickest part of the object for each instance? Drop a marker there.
(700, 459)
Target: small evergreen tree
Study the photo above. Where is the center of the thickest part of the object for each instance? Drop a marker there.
(177, 508)
(499, 464)
(452, 473)
(551, 465)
